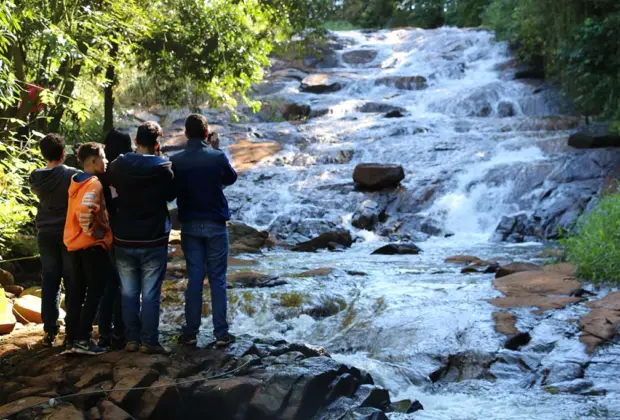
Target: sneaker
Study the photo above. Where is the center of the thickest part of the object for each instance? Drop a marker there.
(68, 347)
(225, 340)
(188, 340)
(153, 349)
(48, 339)
(132, 347)
(87, 347)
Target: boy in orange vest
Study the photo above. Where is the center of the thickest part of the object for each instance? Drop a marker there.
(88, 239)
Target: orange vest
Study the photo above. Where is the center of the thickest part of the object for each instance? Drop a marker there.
(87, 222)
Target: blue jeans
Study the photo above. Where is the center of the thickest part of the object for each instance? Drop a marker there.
(56, 266)
(142, 271)
(110, 310)
(205, 245)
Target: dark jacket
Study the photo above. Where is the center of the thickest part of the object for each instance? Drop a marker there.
(200, 174)
(52, 188)
(144, 184)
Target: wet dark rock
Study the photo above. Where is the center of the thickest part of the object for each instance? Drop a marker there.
(463, 366)
(338, 157)
(394, 114)
(577, 386)
(250, 279)
(375, 107)
(398, 249)
(516, 267)
(404, 82)
(339, 237)
(359, 57)
(245, 238)
(407, 406)
(377, 176)
(594, 136)
(320, 83)
(505, 109)
(517, 341)
(369, 213)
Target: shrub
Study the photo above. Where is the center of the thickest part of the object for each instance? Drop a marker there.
(595, 245)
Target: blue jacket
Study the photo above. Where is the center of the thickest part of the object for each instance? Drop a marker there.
(200, 174)
(144, 184)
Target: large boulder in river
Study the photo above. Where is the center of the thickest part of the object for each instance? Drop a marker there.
(247, 154)
(398, 249)
(594, 136)
(376, 107)
(369, 213)
(329, 240)
(320, 83)
(516, 267)
(245, 238)
(403, 82)
(376, 176)
(359, 57)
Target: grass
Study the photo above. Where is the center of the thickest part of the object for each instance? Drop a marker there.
(291, 299)
(340, 25)
(595, 245)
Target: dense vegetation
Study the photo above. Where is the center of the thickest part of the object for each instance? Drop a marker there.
(63, 64)
(595, 247)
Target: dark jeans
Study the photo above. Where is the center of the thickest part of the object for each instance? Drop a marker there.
(205, 245)
(56, 266)
(92, 269)
(142, 272)
(110, 311)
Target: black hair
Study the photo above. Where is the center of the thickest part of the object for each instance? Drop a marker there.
(196, 126)
(87, 150)
(149, 133)
(116, 143)
(52, 147)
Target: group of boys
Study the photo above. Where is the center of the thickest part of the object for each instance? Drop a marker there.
(105, 231)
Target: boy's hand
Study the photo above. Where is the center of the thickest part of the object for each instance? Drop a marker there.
(214, 140)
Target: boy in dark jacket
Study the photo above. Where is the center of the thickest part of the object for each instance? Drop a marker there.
(111, 325)
(201, 172)
(144, 184)
(51, 185)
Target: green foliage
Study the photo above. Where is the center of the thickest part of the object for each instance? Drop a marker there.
(577, 42)
(340, 25)
(595, 247)
(465, 13)
(17, 203)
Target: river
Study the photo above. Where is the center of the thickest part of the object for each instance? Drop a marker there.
(481, 144)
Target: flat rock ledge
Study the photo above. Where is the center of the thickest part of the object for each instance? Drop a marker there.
(252, 379)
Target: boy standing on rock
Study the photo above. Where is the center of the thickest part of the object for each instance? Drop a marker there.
(51, 185)
(201, 172)
(88, 238)
(144, 184)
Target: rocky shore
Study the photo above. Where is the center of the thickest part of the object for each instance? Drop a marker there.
(252, 379)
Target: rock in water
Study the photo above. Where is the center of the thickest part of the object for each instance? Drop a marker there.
(376, 176)
(374, 107)
(359, 57)
(516, 267)
(463, 259)
(398, 249)
(404, 82)
(594, 136)
(245, 238)
(247, 154)
(320, 83)
(325, 241)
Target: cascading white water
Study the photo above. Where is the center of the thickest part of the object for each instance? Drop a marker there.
(479, 140)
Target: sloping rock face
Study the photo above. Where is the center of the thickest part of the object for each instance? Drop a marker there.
(249, 380)
(245, 238)
(601, 323)
(569, 189)
(247, 154)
